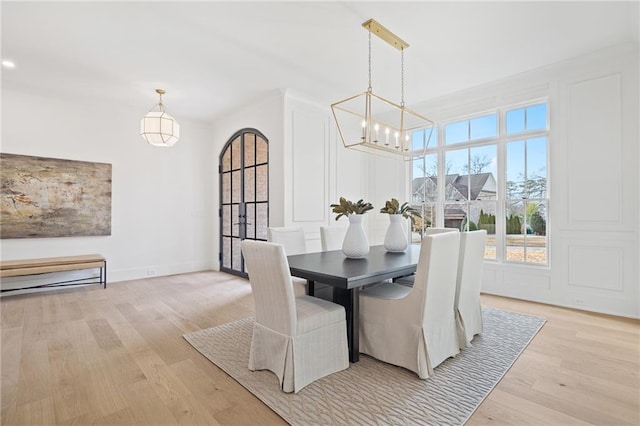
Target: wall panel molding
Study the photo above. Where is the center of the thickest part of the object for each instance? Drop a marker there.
(596, 267)
(594, 145)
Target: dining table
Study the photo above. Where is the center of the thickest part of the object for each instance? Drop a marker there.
(347, 276)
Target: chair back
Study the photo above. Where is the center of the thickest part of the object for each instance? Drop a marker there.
(471, 260)
(332, 237)
(435, 282)
(271, 285)
(291, 238)
(433, 231)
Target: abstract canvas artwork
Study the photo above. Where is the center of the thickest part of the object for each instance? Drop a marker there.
(49, 197)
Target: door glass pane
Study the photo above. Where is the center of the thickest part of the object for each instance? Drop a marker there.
(236, 187)
(250, 184)
(235, 153)
(234, 220)
(261, 221)
(249, 149)
(226, 188)
(251, 220)
(226, 252)
(226, 160)
(262, 183)
(236, 263)
(226, 220)
(262, 150)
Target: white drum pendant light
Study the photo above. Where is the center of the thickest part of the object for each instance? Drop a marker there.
(158, 127)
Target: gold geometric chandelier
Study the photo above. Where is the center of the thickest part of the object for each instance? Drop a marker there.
(159, 128)
(370, 123)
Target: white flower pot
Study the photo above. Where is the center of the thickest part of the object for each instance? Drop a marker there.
(395, 239)
(355, 244)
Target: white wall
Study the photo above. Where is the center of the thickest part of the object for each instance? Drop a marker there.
(319, 170)
(162, 210)
(593, 177)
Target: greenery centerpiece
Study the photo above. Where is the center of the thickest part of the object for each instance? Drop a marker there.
(393, 207)
(346, 207)
(395, 239)
(355, 244)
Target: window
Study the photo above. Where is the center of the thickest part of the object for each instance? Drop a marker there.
(472, 190)
(470, 130)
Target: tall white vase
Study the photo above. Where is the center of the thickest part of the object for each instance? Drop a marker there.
(395, 239)
(355, 244)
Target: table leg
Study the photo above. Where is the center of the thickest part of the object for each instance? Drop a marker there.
(350, 300)
(311, 287)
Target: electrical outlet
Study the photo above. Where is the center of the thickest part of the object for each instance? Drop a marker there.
(151, 271)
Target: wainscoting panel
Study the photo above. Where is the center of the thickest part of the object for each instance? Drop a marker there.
(309, 166)
(594, 141)
(596, 267)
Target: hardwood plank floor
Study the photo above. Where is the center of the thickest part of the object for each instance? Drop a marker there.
(116, 356)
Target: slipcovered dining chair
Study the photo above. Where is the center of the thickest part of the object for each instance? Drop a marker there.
(415, 327)
(409, 279)
(332, 237)
(468, 310)
(300, 339)
(468, 285)
(294, 242)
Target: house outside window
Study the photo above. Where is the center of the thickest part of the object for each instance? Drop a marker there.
(489, 172)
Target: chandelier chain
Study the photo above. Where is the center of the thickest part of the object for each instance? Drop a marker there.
(369, 89)
(402, 77)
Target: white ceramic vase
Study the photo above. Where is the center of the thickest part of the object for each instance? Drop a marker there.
(395, 239)
(355, 244)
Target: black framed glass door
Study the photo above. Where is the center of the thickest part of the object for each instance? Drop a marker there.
(244, 196)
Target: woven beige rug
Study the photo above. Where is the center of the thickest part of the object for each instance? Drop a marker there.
(372, 392)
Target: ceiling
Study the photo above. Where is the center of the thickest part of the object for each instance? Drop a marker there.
(212, 57)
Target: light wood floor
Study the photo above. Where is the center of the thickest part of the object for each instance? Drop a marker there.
(86, 356)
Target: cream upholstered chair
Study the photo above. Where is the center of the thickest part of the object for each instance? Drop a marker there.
(300, 339)
(408, 280)
(332, 237)
(415, 327)
(294, 243)
(469, 282)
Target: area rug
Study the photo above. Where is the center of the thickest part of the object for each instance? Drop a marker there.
(373, 392)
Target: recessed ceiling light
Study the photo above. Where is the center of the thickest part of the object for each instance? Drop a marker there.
(8, 64)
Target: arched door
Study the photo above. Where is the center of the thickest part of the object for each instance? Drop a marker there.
(244, 196)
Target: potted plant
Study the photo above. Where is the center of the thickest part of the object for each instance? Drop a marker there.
(395, 239)
(355, 244)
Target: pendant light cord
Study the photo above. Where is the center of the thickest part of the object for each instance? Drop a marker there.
(402, 77)
(369, 89)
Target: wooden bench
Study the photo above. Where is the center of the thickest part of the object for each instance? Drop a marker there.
(17, 268)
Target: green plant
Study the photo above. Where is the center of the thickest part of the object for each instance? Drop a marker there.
(393, 207)
(472, 225)
(538, 224)
(346, 207)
